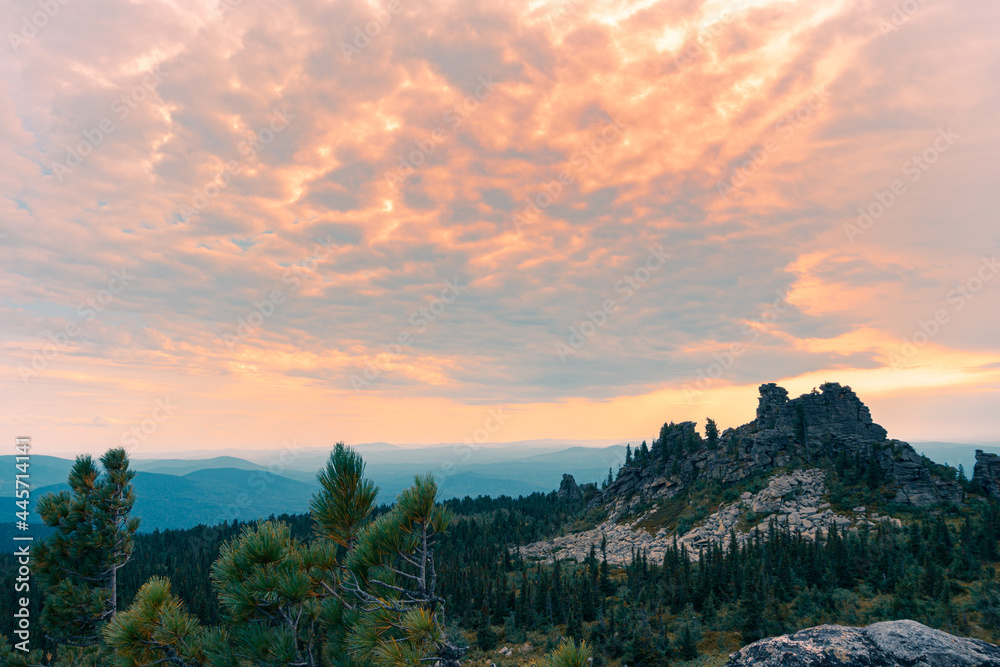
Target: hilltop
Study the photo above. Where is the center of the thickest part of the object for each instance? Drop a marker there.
(809, 463)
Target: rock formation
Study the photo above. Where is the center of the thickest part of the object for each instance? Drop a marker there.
(787, 432)
(987, 473)
(888, 644)
(789, 444)
(569, 489)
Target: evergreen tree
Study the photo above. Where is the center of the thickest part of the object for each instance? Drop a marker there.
(392, 574)
(157, 629)
(78, 567)
(270, 585)
(687, 647)
(711, 433)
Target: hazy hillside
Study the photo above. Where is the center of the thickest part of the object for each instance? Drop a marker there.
(208, 496)
(181, 493)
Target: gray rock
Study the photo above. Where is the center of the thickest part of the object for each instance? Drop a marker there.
(888, 644)
(569, 488)
(987, 473)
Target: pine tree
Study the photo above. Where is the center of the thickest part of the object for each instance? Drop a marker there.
(364, 592)
(157, 629)
(269, 586)
(711, 433)
(687, 647)
(392, 575)
(78, 567)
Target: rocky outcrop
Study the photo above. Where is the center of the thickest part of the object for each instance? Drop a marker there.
(569, 489)
(888, 644)
(987, 473)
(833, 418)
(798, 432)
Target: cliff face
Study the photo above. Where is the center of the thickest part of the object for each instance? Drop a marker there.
(798, 432)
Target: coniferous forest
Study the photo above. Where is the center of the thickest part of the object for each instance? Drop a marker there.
(352, 583)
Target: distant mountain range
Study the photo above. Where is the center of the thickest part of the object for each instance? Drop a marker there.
(181, 493)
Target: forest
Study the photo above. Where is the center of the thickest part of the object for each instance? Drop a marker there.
(352, 583)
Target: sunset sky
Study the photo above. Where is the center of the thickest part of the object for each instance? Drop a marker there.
(246, 222)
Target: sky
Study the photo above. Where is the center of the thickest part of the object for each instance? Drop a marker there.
(239, 223)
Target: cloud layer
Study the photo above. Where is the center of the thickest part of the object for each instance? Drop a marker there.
(374, 221)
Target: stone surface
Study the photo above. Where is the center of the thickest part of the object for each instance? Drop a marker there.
(888, 644)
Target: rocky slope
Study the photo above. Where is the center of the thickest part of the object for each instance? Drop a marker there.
(888, 644)
(794, 501)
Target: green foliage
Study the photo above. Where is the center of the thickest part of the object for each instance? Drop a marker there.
(377, 596)
(393, 576)
(569, 654)
(347, 498)
(362, 591)
(156, 628)
(711, 433)
(268, 584)
(94, 535)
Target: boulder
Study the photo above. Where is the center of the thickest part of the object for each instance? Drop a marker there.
(887, 644)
